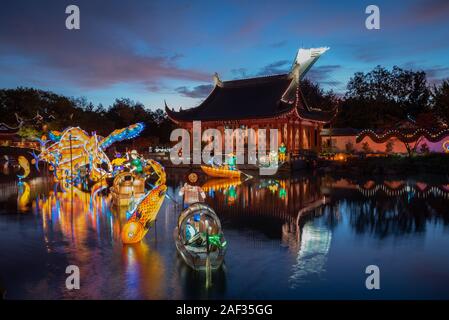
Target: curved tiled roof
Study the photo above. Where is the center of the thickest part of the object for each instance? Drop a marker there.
(241, 99)
(258, 98)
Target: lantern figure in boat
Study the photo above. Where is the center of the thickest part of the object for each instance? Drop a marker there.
(282, 152)
(136, 163)
(199, 237)
(232, 161)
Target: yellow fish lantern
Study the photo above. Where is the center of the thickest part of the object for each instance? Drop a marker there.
(145, 213)
(25, 165)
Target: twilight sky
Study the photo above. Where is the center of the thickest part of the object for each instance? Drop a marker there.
(149, 51)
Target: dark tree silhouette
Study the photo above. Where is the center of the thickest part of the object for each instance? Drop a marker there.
(380, 98)
(57, 112)
(440, 97)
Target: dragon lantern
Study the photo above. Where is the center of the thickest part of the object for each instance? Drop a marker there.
(73, 149)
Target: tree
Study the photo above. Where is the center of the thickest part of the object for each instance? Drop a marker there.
(316, 97)
(440, 97)
(411, 146)
(125, 112)
(380, 98)
(57, 112)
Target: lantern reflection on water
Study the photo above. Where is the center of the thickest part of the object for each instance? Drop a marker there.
(141, 262)
(75, 213)
(23, 198)
(227, 186)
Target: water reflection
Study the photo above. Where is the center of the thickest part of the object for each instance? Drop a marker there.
(312, 255)
(389, 207)
(23, 197)
(73, 212)
(280, 233)
(192, 284)
(144, 272)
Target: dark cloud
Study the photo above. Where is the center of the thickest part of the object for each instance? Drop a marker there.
(323, 75)
(117, 43)
(153, 86)
(148, 44)
(200, 91)
(278, 44)
(277, 67)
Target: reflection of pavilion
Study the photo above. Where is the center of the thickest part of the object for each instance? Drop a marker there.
(312, 254)
(268, 204)
(309, 242)
(291, 203)
(282, 203)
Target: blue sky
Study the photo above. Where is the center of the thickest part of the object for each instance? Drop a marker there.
(151, 51)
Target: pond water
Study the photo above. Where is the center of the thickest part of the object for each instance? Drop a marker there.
(303, 237)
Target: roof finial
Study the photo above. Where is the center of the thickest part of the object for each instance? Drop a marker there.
(305, 58)
(217, 80)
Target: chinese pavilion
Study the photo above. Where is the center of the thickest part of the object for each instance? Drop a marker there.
(271, 102)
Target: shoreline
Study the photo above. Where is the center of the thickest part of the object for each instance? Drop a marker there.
(432, 164)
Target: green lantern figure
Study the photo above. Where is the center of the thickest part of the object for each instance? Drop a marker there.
(232, 161)
(136, 163)
(282, 152)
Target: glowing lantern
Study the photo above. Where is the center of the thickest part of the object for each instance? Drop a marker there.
(142, 217)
